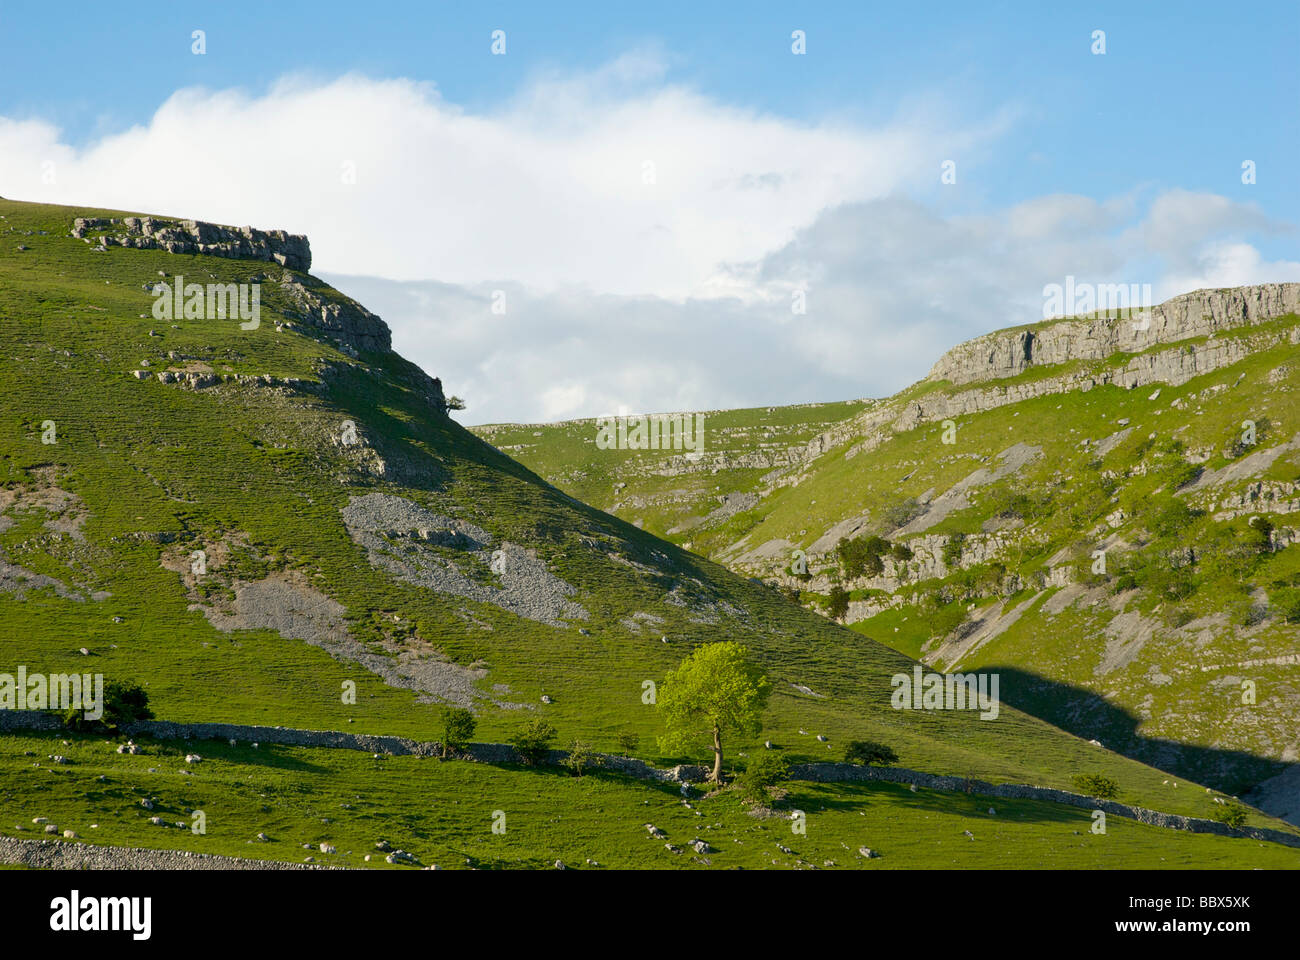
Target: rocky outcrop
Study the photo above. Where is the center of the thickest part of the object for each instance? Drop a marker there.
(1172, 367)
(1202, 313)
(289, 250)
(344, 319)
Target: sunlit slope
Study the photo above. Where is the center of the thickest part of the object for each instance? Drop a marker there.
(350, 531)
(1177, 457)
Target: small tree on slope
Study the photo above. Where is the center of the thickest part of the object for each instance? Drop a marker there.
(714, 691)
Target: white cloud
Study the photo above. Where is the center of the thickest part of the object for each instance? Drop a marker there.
(668, 295)
(890, 285)
(548, 190)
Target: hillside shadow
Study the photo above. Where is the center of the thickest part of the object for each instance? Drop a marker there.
(853, 796)
(1086, 714)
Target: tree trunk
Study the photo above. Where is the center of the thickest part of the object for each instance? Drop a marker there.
(717, 756)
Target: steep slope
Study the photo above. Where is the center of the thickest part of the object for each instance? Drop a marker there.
(1102, 508)
(253, 517)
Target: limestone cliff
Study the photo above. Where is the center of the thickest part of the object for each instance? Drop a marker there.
(195, 236)
(1202, 313)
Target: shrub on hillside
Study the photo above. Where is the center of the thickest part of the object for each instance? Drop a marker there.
(952, 549)
(124, 703)
(1183, 474)
(861, 557)
(1259, 535)
(627, 743)
(1286, 602)
(533, 740)
(1096, 785)
(458, 726)
(941, 615)
(579, 757)
(1231, 814)
(870, 753)
(761, 774)
(1170, 518)
(899, 513)
(901, 552)
(837, 608)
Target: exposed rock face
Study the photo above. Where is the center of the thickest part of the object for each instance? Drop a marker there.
(419, 546)
(1173, 366)
(346, 321)
(1008, 353)
(195, 236)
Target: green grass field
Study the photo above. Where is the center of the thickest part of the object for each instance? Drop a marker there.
(443, 812)
(143, 470)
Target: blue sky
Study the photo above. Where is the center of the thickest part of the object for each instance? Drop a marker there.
(1133, 151)
(1184, 92)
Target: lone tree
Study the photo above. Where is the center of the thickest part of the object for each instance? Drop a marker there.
(715, 690)
(458, 726)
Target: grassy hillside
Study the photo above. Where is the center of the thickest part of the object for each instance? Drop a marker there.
(987, 545)
(350, 532)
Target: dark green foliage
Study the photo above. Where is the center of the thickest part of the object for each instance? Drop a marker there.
(952, 549)
(899, 513)
(628, 742)
(941, 614)
(763, 772)
(1183, 474)
(458, 726)
(838, 605)
(1259, 535)
(533, 740)
(870, 753)
(1096, 785)
(1232, 814)
(1286, 602)
(901, 552)
(124, 703)
(1170, 517)
(862, 556)
(579, 757)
